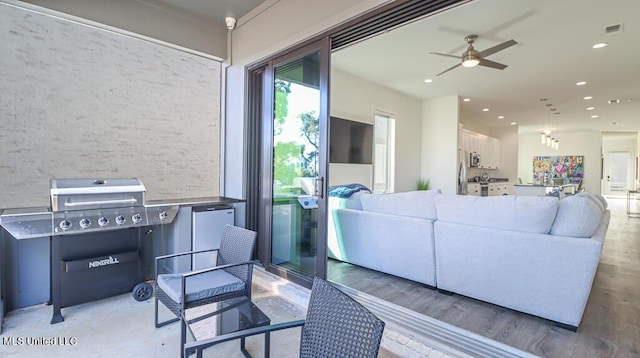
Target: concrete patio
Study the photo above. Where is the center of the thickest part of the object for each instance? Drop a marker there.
(120, 326)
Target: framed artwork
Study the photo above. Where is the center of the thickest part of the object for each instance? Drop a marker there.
(562, 166)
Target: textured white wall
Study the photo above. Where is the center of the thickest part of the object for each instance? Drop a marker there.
(440, 143)
(76, 101)
(358, 99)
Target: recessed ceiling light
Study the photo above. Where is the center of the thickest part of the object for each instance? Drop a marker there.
(590, 108)
(594, 116)
(428, 80)
(500, 117)
(513, 123)
(588, 97)
(467, 99)
(485, 110)
(614, 101)
(581, 83)
(599, 45)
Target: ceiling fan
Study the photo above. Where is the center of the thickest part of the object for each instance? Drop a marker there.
(472, 58)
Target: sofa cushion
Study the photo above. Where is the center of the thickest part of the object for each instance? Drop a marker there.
(578, 216)
(533, 214)
(413, 203)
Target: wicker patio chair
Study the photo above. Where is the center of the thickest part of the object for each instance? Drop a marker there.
(335, 326)
(229, 278)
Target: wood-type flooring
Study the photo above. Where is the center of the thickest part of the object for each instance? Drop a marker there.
(610, 325)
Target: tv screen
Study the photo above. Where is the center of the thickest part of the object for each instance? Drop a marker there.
(350, 142)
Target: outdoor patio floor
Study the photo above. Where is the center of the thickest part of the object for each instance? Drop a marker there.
(122, 327)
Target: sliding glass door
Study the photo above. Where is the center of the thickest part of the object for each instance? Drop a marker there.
(294, 128)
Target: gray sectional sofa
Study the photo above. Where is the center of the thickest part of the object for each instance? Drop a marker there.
(533, 254)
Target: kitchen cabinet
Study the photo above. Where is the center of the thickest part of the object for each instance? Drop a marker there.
(491, 153)
(473, 189)
(500, 188)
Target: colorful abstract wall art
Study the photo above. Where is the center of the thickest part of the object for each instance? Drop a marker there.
(563, 166)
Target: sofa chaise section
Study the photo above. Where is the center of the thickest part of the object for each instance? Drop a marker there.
(536, 255)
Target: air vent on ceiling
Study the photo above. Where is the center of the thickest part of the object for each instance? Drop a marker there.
(613, 29)
(614, 101)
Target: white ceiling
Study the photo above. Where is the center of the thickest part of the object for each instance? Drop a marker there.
(216, 10)
(553, 53)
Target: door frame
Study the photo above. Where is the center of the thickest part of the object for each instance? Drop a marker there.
(267, 96)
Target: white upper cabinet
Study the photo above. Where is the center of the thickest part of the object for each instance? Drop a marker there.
(487, 147)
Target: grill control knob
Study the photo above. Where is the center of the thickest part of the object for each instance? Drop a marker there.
(65, 224)
(163, 216)
(136, 218)
(120, 219)
(103, 221)
(85, 223)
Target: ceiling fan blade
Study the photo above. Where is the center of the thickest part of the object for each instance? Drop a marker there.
(492, 64)
(448, 69)
(496, 48)
(444, 54)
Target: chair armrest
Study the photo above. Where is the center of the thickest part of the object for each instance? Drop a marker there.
(194, 273)
(158, 258)
(170, 256)
(191, 347)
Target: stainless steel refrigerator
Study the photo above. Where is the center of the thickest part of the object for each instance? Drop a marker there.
(463, 156)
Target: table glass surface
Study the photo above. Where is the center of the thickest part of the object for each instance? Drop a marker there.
(235, 314)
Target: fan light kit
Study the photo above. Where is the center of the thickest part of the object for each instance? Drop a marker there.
(473, 58)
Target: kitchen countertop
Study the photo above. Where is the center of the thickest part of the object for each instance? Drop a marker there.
(490, 180)
(209, 200)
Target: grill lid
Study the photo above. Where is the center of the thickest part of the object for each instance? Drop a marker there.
(86, 194)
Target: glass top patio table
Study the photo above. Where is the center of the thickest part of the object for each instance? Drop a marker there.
(205, 323)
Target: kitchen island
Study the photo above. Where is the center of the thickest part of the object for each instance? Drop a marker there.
(532, 189)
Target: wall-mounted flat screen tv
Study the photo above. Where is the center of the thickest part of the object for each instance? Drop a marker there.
(350, 142)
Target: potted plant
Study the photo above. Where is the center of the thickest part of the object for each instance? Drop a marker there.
(422, 184)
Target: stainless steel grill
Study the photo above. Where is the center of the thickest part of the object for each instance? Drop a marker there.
(98, 230)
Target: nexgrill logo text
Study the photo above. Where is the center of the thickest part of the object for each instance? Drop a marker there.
(110, 261)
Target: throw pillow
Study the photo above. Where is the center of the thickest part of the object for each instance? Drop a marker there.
(578, 216)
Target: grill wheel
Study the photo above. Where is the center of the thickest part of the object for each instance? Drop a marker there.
(142, 291)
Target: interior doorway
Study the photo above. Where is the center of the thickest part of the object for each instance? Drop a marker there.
(619, 163)
(619, 173)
